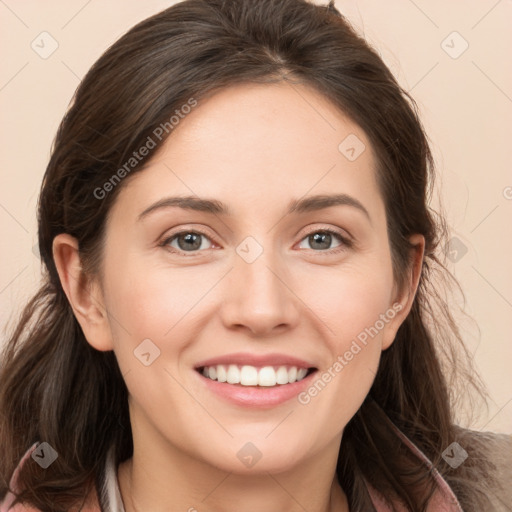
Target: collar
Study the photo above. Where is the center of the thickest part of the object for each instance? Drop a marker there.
(443, 499)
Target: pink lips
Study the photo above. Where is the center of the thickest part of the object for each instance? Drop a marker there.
(256, 396)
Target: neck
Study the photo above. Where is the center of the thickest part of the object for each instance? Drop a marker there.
(192, 486)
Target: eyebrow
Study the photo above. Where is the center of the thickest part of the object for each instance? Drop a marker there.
(213, 206)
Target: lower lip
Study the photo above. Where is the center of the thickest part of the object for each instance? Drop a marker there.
(256, 396)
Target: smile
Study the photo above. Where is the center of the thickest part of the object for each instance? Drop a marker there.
(247, 375)
(254, 380)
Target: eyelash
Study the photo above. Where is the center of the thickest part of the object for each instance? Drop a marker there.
(345, 242)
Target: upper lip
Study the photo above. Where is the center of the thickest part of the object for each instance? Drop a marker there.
(258, 360)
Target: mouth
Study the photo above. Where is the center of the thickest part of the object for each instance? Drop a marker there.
(255, 380)
(255, 376)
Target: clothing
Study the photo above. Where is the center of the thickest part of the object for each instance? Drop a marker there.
(110, 500)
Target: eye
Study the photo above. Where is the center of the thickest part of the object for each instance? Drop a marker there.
(190, 241)
(187, 241)
(321, 239)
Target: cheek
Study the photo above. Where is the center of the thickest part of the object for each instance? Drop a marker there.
(361, 319)
(148, 302)
(354, 350)
(355, 309)
(350, 302)
(151, 313)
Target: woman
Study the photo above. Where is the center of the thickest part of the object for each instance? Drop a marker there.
(237, 312)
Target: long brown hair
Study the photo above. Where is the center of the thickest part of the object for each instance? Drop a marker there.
(55, 387)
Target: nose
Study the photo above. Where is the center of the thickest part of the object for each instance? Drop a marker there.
(259, 297)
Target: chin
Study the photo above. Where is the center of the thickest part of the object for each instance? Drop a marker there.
(256, 455)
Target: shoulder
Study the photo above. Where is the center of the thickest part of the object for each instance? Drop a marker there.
(91, 503)
(496, 447)
(17, 508)
(493, 452)
(6, 505)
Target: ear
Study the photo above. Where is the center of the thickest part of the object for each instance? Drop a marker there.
(404, 298)
(83, 292)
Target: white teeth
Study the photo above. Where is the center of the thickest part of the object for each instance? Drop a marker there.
(267, 376)
(222, 376)
(247, 375)
(301, 373)
(233, 375)
(282, 375)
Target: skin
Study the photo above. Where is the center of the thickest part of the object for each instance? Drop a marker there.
(255, 148)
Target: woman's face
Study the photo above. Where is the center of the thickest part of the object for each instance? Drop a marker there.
(258, 284)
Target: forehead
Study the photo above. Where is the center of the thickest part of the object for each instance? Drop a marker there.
(265, 120)
(260, 143)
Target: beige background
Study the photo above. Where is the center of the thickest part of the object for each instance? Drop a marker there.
(465, 100)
